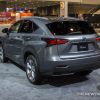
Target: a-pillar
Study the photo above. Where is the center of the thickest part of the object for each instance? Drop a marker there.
(64, 8)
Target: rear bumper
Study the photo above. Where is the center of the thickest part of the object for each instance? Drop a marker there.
(64, 66)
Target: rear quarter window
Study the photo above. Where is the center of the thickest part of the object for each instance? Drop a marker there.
(70, 28)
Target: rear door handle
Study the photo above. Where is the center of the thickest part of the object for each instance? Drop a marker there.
(17, 38)
(27, 38)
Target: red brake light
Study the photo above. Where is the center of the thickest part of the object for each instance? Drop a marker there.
(57, 41)
(98, 38)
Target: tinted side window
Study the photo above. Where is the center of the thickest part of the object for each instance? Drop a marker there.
(35, 27)
(28, 27)
(15, 27)
(70, 28)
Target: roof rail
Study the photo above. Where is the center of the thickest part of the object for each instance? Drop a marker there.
(66, 18)
(40, 17)
(60, 18)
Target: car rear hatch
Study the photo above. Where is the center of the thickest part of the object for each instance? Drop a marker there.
(80, 38)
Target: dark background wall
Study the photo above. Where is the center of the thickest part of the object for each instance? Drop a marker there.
(3, 5)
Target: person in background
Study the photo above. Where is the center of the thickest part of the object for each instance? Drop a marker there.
(80, 16)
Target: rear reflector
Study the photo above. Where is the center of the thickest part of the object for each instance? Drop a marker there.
(98, 38)
(57, 41)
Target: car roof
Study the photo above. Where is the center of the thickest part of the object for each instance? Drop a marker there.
(46, 20)
(42, 19)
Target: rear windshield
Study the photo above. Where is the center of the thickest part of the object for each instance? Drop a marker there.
(70, 28)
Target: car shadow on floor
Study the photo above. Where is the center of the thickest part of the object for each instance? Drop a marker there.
(58, 81)
(17, 65)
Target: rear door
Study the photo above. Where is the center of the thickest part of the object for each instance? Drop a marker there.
(14, 41)
(80, 35)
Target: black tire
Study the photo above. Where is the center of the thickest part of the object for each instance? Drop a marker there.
(84, 72)
(32, 70)
(3, 59)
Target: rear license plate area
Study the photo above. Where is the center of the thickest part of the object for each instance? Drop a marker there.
(82, 47)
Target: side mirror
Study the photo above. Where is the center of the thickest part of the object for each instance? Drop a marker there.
(5, 30)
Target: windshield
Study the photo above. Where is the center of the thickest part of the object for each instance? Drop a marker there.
(70, 28)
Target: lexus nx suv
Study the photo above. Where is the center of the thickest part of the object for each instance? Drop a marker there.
(51, 47)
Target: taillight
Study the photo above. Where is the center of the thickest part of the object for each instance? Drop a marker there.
(57, 41)
(98, 39)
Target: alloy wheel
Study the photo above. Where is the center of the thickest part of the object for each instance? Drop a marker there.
(30, 69)
(1, 54)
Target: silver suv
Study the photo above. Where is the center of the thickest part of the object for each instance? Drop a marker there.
(51, 47)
